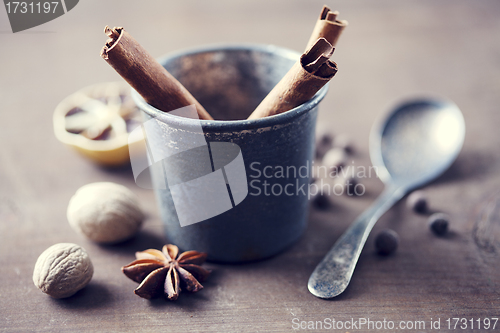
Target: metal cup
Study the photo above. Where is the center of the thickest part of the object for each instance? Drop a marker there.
(276, 152)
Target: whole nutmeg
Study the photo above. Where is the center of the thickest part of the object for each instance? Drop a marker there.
(62, 270)
(105, 212)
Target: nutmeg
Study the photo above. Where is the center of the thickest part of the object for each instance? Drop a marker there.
(62, 270)
(105, 212)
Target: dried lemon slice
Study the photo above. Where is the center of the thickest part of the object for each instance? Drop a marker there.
(96, 121)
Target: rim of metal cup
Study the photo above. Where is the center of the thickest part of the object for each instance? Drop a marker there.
(231, 125)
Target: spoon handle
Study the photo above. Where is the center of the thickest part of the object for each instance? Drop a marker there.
(332, 275)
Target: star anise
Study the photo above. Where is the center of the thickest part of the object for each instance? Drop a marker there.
(163, 272)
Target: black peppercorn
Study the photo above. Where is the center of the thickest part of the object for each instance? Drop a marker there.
(417, 201)
(438, 223)
(343, 142)
(347, 184)
(335, 158)
(321, 201)
(323, 144)
(386, 241)
(350, 186)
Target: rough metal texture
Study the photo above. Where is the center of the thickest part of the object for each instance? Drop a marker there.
(229, 83)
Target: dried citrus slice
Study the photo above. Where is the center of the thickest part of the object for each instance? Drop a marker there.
(96, 121)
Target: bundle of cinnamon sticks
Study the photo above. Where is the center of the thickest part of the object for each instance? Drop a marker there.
(161, 90)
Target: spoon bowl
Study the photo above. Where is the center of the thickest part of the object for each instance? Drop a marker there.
(417, 142)
(409, 147)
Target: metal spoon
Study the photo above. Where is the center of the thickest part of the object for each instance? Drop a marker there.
(410, 147)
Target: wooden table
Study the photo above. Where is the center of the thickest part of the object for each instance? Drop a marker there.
(389, 52)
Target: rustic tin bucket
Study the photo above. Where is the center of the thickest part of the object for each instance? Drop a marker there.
(230, 81)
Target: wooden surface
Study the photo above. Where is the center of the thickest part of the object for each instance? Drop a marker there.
(389, 51)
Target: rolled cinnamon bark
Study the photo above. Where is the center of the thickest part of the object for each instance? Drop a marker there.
(327, 27)
(150, 79)
(306, 77)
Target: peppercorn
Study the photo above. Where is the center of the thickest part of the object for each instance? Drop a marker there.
(350, 184)
(326, 139)
(417, 201)
(323, 144)
(347, 183)
(342, 141)
(335, 158)
(386, 241)
(321, 201)
(438, 223)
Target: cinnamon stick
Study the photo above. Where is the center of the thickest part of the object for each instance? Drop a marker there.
(150, 79)
(306, 77)
(327, 27)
